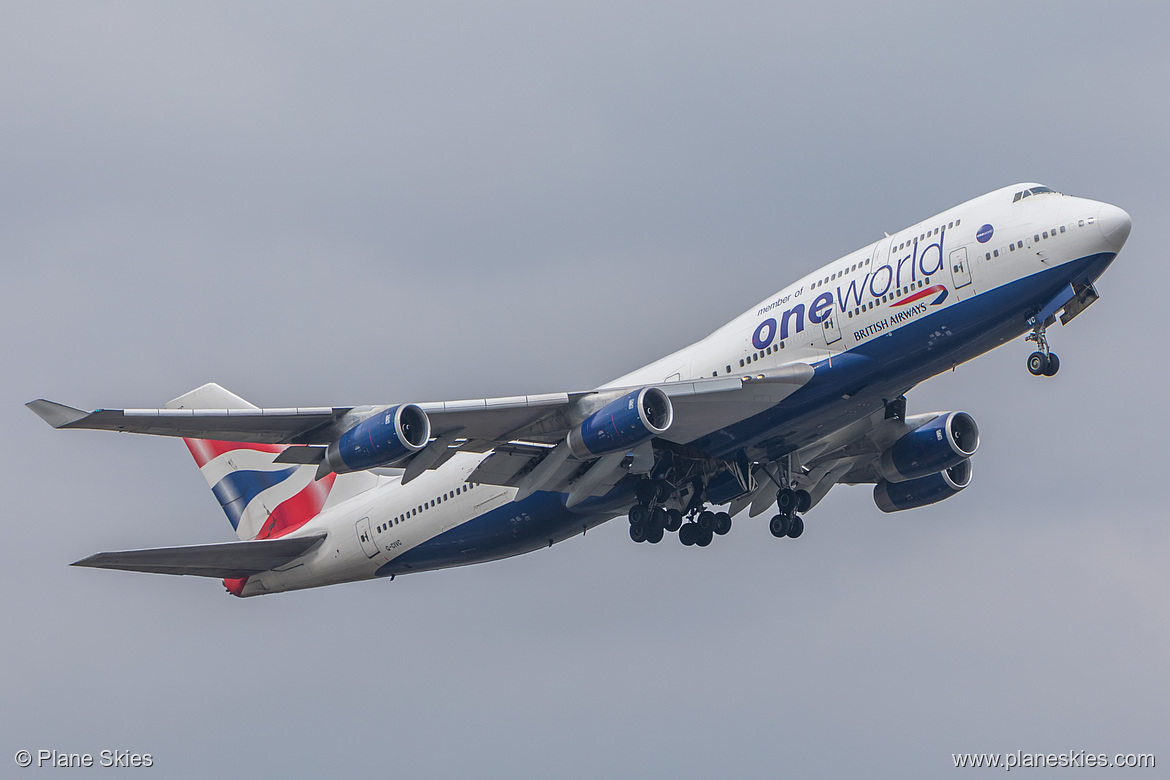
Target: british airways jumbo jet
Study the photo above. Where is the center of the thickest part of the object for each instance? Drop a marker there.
(804, 391)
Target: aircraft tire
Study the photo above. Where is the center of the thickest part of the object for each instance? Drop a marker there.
(779, 526)
(707, 520)
(686, 534)
(654, 534)
(658, 518)
(662, 490)
(722, 523)
(803, 501)
(796, 527)
(786, 501)
(1037, 363)
(1053, 365)
(704, 538)
(674, 520)
(638, 514)
(638, 532)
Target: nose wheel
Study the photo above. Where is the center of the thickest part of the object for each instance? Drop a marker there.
(1042, 362)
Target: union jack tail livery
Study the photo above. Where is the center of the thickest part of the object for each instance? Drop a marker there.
(262, 499)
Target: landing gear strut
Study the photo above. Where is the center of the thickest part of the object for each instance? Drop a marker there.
(789, 502)
(1042, 362)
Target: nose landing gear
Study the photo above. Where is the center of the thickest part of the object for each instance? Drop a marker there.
(1042, 362)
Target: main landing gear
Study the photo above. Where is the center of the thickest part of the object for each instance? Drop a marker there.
(649, 521)
(1042, 362)
(788, 523)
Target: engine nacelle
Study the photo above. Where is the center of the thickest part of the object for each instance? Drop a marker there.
(913, 493)
(381, 440)
(630, 420)
(935, 446)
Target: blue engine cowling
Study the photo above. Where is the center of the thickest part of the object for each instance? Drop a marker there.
(913, 493)
(932, 447)
(381, 440)
(630, 420)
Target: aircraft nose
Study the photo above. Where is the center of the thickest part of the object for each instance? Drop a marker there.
(1115, 224)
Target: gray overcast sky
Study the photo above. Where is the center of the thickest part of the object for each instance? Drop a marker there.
(349, 203)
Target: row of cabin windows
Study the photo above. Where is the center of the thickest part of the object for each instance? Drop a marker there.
(921, 237)
(752, 358)
(427, 505)
(927, 234)
(1038, 237)
(889, 297)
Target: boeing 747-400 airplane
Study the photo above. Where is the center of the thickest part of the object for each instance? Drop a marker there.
(804, 391)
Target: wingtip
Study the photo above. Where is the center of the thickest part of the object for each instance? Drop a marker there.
(55, 414)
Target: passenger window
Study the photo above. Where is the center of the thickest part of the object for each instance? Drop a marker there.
(1046, 234)
(1062, 228)
(1036, 237)
(1080, 223)
(995, 252)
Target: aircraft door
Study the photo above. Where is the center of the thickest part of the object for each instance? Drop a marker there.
(961, 273)
(830, 327)
(366, 537)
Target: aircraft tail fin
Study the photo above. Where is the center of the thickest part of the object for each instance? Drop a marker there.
(263, 497)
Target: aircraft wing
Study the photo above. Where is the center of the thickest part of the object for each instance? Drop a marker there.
(479, 425)
(226, 560)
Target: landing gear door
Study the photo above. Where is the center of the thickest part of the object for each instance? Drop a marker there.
(366, 537)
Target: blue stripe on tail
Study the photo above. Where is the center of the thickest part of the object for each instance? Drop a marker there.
(236, 490)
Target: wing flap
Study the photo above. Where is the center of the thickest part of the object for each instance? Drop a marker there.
(228, 560)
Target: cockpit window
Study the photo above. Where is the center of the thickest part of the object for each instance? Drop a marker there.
(1033, 191)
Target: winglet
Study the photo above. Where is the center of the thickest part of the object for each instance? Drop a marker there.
(55, 414)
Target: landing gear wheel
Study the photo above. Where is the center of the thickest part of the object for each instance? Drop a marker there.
(1053, 365)
(687, 533)
(803, 501)
(786, 501)
(707, 520)
(1038, 363)
(704, 538)
(722, 523)
(639, 514)
(779, 526)
(673, 520)
(796, 527)
(662, 490)
(654, 534)
(638, 532)
(658, 518)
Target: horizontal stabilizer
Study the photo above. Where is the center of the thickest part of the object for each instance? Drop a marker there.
(226, 560)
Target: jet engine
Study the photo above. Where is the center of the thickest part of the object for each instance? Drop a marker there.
(913, 493)
(944, 441)
(630, 420)
(381, 440)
